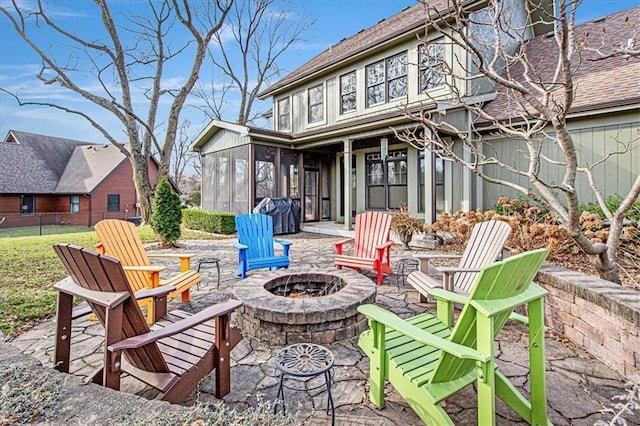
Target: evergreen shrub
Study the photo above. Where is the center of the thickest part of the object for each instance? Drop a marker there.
(167, 214)
(213, 221)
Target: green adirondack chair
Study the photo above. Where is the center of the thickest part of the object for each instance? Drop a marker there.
(427, 362)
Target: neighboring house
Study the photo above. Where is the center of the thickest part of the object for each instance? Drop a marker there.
(64, 181)
(333, 145)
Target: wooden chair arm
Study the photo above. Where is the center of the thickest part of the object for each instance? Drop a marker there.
(240, 246)
(341, 242)
(282, 242)
(101, 298)
(424, 259)
(220, 309)
(436, 256)
(154, 292)
(100, 248)
(384, 246)
(173, 255)
(144, 268)
(185, 259)
(449, 296)
(450, 270)
(391, 320)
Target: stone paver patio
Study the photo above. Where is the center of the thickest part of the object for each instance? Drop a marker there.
(578, 386)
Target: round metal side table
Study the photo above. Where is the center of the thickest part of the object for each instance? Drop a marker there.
(405, 265)
(304, 360)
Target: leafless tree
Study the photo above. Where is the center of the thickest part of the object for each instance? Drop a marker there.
(245, 56)
(121, 66)
(182, 156)
(490, 59)
(601, 45)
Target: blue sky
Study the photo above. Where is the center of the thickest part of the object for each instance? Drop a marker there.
(334, 20)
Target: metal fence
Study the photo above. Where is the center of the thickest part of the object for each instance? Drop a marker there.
(50, 223)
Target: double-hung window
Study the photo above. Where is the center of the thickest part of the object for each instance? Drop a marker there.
(75, 203)
(315, 98)
(431, 62)
(284, 114)
(386, 182)
(348, 92)
(113, 202)
(386, 80)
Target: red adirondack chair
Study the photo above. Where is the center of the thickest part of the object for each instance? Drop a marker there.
(371, 245)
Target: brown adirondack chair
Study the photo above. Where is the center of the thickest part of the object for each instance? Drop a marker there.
(371, 245)
(485, 246)
(119, 239)
(172, 356)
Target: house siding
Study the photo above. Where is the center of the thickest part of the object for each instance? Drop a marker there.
(594, 137)
(299, 104)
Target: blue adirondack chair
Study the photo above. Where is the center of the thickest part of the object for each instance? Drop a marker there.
(256, 244)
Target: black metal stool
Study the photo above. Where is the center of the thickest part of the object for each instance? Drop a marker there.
(305, 360)
(404, 265)
(209, 260)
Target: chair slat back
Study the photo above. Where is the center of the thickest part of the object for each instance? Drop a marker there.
(103, 273)
(372, 229)
(256, 232)
(498, 281)
(120, 240)
(485, 245)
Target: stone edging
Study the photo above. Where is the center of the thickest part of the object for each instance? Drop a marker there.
(601, 316)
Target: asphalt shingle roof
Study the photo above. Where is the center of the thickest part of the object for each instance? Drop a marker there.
(40, 164)
(598, 84)
(408, 19)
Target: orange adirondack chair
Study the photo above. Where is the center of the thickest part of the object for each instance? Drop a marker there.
(172, 356)
(371, 245)
(119, 239)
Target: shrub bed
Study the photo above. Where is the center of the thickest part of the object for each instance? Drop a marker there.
(209, 220)
(534, 228)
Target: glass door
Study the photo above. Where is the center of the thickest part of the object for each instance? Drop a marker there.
(311, 195)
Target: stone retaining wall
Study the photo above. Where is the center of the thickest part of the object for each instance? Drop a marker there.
(600, 316)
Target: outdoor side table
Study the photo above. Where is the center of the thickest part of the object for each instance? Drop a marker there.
(304, 360)
(209, 260)
(405, 265)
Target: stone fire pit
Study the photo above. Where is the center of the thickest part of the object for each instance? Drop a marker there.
(286, 306)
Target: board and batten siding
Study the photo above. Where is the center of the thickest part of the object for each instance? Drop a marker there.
(594, 142)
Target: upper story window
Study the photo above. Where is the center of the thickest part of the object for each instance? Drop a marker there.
(75, 203)
(431, 60)
(315, 96)
(387, 79)
(348, 92)
(284, 114)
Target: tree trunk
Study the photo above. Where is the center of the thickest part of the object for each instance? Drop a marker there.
(141, 180)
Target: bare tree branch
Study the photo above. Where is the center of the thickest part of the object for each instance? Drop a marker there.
(492, 60)
(125, 56)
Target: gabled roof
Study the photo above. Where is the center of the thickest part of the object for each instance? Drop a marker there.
(402, 23)
(40, 164)
(606, 83)
(88, 166)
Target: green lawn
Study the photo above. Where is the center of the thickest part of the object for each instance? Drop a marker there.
(29, 267)
(46, 230)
